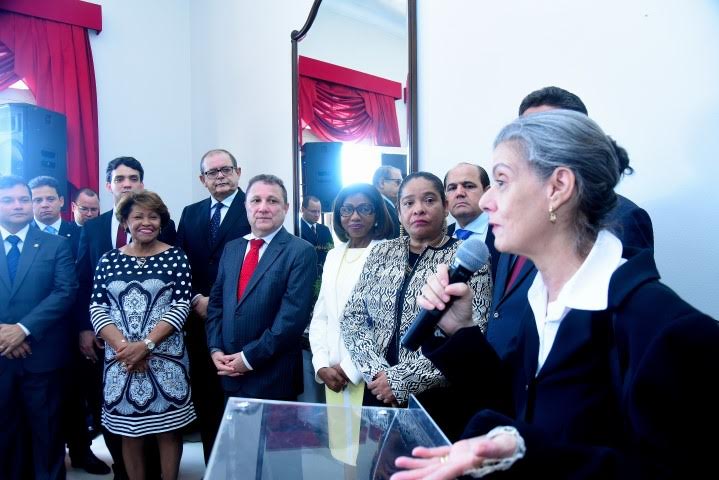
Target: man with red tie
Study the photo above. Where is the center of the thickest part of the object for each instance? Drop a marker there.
(98, 236)
(260, 302)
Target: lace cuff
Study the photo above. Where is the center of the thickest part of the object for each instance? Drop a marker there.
(491, 465)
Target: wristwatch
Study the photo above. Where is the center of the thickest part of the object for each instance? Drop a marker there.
(149, 344)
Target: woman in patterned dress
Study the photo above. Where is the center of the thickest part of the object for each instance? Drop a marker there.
(140, 300)
(383, 303)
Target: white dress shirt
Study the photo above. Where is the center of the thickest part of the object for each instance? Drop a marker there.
(587, 289)
(56, 225)
(226, 202)
(478, 226)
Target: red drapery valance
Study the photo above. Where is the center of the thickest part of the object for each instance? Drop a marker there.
(335, 106)
(55, 61)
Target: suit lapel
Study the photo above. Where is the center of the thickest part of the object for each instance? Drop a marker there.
(268, 258)
(32, 244)
(4, 275)
(233, 213)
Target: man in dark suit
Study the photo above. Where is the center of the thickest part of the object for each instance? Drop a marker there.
(515, 275)
(313, 231)
(464, 185)
(37, 288)
(98, 236)
(46, 205)
(86, 206)
(387, 180)
(204, 229)
(260, 302)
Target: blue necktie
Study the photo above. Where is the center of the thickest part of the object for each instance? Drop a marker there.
(13, 256)
(463, 234)
(215, 222)
(51, 230)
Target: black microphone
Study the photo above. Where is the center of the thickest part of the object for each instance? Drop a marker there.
(470, 257)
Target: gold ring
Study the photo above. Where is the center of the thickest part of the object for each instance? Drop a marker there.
(443, 459)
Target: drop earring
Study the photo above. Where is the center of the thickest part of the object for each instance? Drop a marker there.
(552, 215)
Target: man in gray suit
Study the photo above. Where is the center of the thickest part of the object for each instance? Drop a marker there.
(37, 287)
(260, 302)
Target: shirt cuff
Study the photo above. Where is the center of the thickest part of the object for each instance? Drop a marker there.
(491, 465)
(22, 327)
(244, 360)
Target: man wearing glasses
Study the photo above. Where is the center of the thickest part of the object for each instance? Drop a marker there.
(387, 180)
(205, 227)
(86, 206)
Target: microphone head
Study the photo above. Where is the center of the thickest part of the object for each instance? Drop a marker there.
(472, 254)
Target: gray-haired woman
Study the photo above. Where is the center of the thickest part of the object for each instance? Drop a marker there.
(607, 377)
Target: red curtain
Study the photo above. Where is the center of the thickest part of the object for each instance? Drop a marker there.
(55, 61)
(339, 113)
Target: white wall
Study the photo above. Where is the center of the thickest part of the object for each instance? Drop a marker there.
(142, 70)
(242, 83)
(648, 72)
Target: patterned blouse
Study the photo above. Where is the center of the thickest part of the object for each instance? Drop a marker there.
(369, 317)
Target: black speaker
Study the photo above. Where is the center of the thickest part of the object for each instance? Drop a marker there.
(396, 160)
(322, 171)
(33, 142)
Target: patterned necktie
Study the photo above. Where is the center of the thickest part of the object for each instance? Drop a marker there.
(13, 256)
(121, 238)
(51, 230)
(463, 234)
(249, 265)
(314, 228)
(215, 222)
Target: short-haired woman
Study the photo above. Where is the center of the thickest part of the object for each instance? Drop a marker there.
(139, 304)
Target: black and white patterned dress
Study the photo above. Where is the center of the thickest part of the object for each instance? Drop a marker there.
(135, 298)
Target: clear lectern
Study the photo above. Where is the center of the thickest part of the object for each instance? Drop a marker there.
(263, 439)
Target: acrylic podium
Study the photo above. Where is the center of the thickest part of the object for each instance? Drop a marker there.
(270, 440)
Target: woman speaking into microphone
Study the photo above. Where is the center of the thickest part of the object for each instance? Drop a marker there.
(608, 376)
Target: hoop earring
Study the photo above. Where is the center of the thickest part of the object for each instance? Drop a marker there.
(552, 215)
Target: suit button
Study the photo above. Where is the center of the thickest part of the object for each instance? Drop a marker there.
(496, 315)
(526, 388)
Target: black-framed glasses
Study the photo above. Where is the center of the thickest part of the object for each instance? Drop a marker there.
(363, 209)
(216, 171)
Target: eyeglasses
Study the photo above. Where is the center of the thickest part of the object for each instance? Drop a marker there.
(88, 209)
(396, 181)
(363, 209)
(225, 171)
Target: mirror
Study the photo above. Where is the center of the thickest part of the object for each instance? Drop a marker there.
(354, 88)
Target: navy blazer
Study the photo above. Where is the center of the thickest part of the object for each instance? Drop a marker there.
(268, 321)
(630, 223)
(96, 240)
(322, 241)
(193, 237)
(43, 292)
(619, 394)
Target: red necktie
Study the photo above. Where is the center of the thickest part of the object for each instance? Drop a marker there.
(121, 238)
(516, 268)
(249, 265)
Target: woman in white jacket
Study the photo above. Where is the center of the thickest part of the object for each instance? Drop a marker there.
(360, 220)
